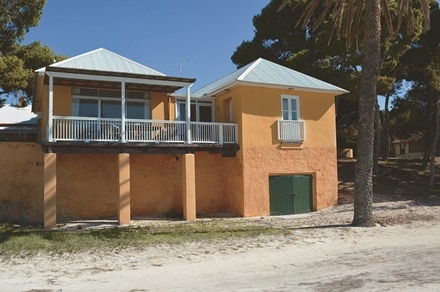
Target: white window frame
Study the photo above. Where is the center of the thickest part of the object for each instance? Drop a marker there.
(101, 98)
(290, 98)
(197, 103)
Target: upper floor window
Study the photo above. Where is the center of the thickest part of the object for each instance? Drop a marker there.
(201, 110)
(290, 107)
(104, 103)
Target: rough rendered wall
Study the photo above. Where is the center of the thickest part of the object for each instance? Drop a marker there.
(155, 185)
(21, 187)
(261, 162)
(210, 191)
(261, 154)
(216, 184)
(232, 166)
(233, 183)
(86, 186)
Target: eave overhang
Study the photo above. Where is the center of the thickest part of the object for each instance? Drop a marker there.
(112, 80)
(236, 83)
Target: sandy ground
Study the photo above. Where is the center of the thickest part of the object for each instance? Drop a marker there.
(319, 253)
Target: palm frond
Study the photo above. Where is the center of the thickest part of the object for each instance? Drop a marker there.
(347, 16)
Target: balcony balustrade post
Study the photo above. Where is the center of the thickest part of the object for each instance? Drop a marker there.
(188, 115)
(220, 134)
(122, 130)
(236, 133)
(50, 117)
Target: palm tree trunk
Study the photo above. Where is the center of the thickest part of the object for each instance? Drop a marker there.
(370, 46)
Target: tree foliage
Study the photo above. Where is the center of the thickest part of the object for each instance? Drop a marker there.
(16, 18)
(17, 61)
(282, 36)
(355, 20)
(421, 65)
(345, 39)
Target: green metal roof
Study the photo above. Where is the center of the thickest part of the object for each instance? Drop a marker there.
(265, 73)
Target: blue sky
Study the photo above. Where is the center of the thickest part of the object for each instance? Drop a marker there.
(198, 36)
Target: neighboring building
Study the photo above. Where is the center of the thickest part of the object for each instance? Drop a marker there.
(412, 147)
(118, 141)
(17, 123)
(12, 115)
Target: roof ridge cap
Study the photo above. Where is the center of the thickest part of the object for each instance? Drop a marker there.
(76, 57)
(249, 69)
(134, 62)
(106, 51)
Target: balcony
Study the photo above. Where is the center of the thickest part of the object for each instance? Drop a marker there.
(291, 131)
(106, 130)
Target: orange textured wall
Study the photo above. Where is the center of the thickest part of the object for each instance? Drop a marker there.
(159, 106)
(261, 154)
(217, 184)
(62, 104)
(155, 185)
(210, 191)
(233, 167)
(261, 162)
(172, 108)
(21, 188)
(261, 108)
(233, 184)
(87, 186)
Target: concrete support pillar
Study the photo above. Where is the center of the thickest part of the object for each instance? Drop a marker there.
(50, 190)
(189, 186)
(123, 164)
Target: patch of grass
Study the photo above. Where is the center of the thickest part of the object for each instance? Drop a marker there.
(28, 241)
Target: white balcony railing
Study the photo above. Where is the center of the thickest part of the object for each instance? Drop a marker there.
(291, 131)
(110, 130)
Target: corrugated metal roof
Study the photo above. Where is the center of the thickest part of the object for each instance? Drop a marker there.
(264, 72)
(104, 60)
(10, 114)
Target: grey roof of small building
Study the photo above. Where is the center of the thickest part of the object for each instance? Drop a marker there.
(262, 72)
(106, 61)
(10, 114)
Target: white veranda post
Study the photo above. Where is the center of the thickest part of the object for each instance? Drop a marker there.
(123, 112)
(50, 118)
(188, 114)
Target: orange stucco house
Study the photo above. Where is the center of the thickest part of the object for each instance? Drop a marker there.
(118, 140)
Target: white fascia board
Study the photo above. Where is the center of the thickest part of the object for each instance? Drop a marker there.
(223, 88)
(117, 79)
(210, 98)
(183, 95)
(193, 97)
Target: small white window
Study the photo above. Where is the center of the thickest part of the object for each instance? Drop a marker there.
(290, 107)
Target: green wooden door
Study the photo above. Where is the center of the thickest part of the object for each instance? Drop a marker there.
(290, 194)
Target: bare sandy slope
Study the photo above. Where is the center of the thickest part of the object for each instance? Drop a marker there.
(319, 253)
